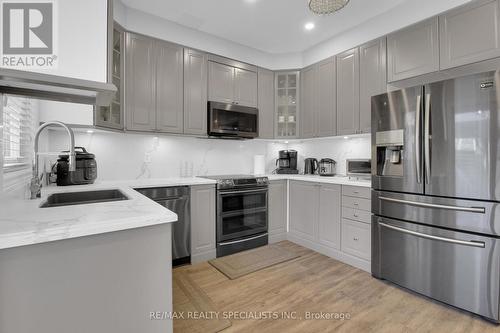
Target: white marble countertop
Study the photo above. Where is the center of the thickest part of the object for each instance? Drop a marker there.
(340, 180)
(23, 222)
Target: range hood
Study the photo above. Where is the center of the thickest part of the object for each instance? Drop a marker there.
(53, 87)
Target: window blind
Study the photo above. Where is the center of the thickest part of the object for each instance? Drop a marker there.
(19, 125)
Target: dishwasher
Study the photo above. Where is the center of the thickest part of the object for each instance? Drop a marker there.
(175, 199)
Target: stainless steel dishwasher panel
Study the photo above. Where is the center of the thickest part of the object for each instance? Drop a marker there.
(176, 199)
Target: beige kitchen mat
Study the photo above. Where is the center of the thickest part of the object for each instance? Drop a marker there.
(243, 263)
(195, 310)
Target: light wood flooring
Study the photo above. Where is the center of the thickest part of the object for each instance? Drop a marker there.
(316, 283)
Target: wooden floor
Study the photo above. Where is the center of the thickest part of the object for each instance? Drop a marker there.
(316, 283)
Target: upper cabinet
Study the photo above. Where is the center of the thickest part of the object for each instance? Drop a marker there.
(318, 109)
(373, 79)
(326, 107)
(413, 51)
(139, 84)
(169, 87)
(308, 114)
(470, 34)
(195, 92)
(112, 116)
(287, 105)
(229, 84)
(348, 92)
(154, 85)
(266, 103)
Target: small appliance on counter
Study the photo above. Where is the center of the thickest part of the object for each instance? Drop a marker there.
(327, 167)
(310, 166)
(287, 162)
(359, 168)
(86, 168)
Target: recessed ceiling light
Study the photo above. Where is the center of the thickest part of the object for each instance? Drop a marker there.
(309, 26)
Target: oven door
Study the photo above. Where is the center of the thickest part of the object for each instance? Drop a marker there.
(241, 213)
(232, 120)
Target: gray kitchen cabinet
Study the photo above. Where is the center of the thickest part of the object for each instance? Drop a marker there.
(277, 210)
(228, 84)
(203, 215)
(220, 82)
(308, 116)
(304, 210)
(373, 78)
(266, 103)
(470, 34)
(112, 116)
(348, 92)
(326, 107)
(356, 239)
(245, 87)
(287, 105)
(169, 87)
(330, 215)
(139, 85)
(413, 51)
(154, 85)
(195, 92)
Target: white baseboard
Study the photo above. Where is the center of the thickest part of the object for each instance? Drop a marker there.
(277, 238)
(332, 253)
(205, 256)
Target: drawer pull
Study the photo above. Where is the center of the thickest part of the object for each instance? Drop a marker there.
(355, 215)
(480, 210)
(356, 239)
(431, 237)
(356, 204)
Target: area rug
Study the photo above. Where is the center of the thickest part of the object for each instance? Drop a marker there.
(194, 310)
(243, 263)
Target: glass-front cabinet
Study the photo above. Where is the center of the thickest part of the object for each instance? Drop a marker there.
(287, 105)
(112, 116)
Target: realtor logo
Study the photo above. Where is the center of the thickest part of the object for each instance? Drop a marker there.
(28, 34)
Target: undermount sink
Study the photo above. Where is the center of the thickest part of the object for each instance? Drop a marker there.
(81, 198)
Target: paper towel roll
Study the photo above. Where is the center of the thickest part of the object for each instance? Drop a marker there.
(259, 165)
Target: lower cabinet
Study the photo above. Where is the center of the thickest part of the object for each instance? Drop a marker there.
(203, 215)
(356, 239)
(277, 203)
(317, 221)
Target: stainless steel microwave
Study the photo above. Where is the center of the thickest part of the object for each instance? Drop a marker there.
(232, 120)
(359, 168)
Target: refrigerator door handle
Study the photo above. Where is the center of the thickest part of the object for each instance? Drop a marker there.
(480, 210)
(427, 138)
(418, 149)
(437, 238)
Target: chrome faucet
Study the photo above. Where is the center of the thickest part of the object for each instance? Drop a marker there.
(36, 181)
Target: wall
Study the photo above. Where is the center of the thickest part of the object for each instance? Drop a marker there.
(407, 13)
(129, 156)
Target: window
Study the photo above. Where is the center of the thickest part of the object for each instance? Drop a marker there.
(19, 116)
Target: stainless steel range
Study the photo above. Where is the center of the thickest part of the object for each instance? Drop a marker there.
(242, 213)
(436, 191)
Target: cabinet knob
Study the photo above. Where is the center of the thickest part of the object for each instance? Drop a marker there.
(355, 215)
(356, 239)
(356, 204)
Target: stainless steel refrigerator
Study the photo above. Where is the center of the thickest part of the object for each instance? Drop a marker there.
(436, 191)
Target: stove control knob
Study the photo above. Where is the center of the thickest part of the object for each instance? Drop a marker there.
(225, 183)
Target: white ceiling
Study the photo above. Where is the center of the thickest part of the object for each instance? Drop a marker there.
(272, 26)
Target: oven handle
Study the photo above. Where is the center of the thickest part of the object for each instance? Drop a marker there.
(243, 191)
(243, 240)
(480, 210)
(431, 237)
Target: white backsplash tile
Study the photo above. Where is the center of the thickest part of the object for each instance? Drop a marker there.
(130, 156)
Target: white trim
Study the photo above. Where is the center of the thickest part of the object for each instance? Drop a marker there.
(204, 256)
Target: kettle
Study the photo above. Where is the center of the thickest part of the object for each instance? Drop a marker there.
(310, 166)
(327, 167)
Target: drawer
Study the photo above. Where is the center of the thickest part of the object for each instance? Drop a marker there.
(356, 191)
(357, 203)
(356, 239)
(357, 215)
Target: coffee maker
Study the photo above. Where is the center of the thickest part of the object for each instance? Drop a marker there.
(287, 162)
